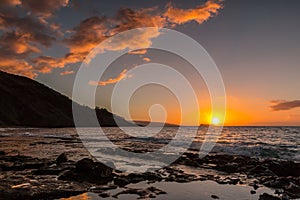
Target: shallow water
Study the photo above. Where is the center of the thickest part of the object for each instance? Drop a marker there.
(198, 190)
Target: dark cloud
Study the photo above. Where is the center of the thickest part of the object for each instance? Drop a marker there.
(37, 30)
(44, 8)
(284, 105)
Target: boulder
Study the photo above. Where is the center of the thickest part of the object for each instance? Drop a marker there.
(62, 158)
(89, 171)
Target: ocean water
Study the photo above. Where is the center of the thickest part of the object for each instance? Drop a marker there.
(261, 142)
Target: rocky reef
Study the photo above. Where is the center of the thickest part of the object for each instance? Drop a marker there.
(25, 177)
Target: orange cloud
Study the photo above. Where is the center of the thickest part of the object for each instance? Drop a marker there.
(87, 35)
(120, 77)
(147, 59)
(14, 66)
(18, 43)
(92, 31)
(199, 14)
(127, 19)
(67, 72)
(138, 52)
(25, 31)
(24, 36)
(10, 2)
(45, 64)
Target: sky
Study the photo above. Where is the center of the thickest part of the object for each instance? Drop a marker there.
(255, 44)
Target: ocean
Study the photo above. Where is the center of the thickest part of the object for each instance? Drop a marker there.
(259, 142)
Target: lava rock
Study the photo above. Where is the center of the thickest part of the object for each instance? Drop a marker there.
(121, 181)
(284, 169)
(62, 158)
(89, 171)
(88, 167)
(266, 196)
(214, 196)
(104, 195)
(252, 192)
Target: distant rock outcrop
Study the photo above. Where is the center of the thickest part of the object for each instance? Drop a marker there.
(27, 103)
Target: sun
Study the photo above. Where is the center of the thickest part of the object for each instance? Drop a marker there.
(215, 121)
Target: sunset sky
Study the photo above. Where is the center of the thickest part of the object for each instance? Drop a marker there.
(254, 43)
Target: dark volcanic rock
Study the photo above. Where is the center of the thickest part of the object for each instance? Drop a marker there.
(285, 168)
(252, 192)
(89, 171)
(17, 194)
(104, 195)
(266, 196)
(121, 181)
(20, 163)
(214, 196)
(89, 167)
(62, 158)
(47, 171)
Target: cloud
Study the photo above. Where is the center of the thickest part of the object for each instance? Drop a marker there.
(67, 72)
(199, 14)
(44, 8)
(15, 66)
(28, 29)
(89, 33)
(120, 77)
(137, 38)
(10, 2)
(138, 52)
(25, 36)
(147, 59)
(92, 31)
(127, 19)
(45, 64)
(279, 105)
(21, 37)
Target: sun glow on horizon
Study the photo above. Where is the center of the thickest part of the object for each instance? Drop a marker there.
(215, 121)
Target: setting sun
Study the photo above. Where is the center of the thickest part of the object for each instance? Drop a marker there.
(215, 121)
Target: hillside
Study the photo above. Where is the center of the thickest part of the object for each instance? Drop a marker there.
(27, 103)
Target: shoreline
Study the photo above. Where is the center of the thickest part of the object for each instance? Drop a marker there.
(47, 168)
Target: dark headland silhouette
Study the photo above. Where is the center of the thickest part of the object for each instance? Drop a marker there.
(28, 103)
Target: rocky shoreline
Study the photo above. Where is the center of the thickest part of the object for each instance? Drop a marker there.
(25, 177)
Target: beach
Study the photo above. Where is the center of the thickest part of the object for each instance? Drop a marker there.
(54, 164)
